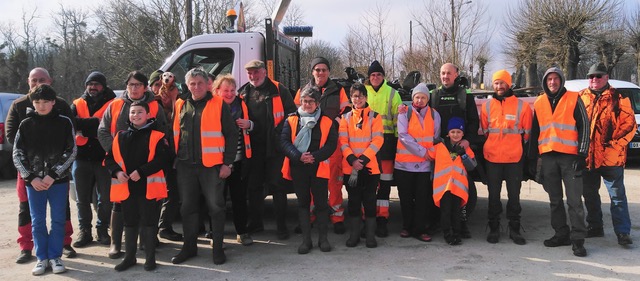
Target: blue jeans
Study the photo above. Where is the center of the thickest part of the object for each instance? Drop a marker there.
(613, 178)
(48, 244)
(90, 176)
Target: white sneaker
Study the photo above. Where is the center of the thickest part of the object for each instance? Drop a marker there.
(57, 266)
(40, 268)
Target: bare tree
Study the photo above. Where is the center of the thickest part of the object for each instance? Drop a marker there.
(632, 29)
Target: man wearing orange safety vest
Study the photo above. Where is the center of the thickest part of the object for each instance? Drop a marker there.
(88, 172)
(560, 135)
(506, 122)
(268, 103)
(205, 139)
(385, 101)
(115, 119)
(333, 103)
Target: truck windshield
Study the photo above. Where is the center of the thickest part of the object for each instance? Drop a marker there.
(214, 61)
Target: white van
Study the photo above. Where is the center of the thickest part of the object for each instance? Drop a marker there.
(628, 89)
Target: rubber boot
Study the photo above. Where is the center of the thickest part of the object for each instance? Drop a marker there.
(218, 250)
(130, 243)
(190, 246)
(280, 210)
(323, 230)
(514, 233)
(355, 227)
(494, 232)
(381, 229)
(149, 235)
(116, 235)
(305, 227)
(370, 233)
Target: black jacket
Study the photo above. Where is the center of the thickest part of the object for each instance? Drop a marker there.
(34, 157)
(449, 107)
(330, 98)
(18, 112)
(319, 153)
(91, 151)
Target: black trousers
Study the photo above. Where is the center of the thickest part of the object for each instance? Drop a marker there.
(415, 190)
(307, 185)
(171, 204)
(511, 173)
(265, 173)
(362, 196)
(137, 210)
(237, 187)
(450, 212)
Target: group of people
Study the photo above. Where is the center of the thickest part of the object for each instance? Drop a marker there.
(153, 152)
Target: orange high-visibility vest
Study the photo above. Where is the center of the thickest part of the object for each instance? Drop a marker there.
(449, 175)
(245, 133)
(422, 133)
(506, 124)
(323, 166)
(211, 137)
(558, 131)
(82, 109)
(156, 184)
(116, 108)
(361, 141)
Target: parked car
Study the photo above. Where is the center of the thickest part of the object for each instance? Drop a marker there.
(7, 170)
(628, 89)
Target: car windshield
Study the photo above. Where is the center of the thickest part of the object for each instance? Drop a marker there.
(634, 96)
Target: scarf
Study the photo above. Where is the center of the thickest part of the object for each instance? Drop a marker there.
(307, 122)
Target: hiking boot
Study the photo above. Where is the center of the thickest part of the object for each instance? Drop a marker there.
(84, 238)
(381, 227)
(578, 248)
(464, 230)
(494, 232)
(557, 241)
(514, 233)
(244, 239)
(40, 268)
(595, 232)
(57, 266)
(339, 228)
(24, 257)
(103, 236)
(624, 239)
(69, 252)
(169, 234)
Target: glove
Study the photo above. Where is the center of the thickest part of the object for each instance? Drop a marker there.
(459, 150)
(353, 178)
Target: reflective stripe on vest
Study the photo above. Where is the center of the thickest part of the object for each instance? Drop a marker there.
(156, 184)
(558, 131)
(117, 106)
(504, 129)
(278, 109)
(361, 141)
(323, 166)
(449, 175)
(422, 133)
(515, 130)
(82, 110)
(211, 138)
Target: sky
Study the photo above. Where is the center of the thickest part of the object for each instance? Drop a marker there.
(330, 18)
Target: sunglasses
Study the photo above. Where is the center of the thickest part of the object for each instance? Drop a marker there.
(595, 76)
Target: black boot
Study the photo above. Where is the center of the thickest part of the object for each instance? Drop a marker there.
(450, 237)
(190, 245)
(130, 243)
(305, 229)
(116, 235)
(370, 233)
(280, 210)
(323, 230)
(150, 248)
(218, 250)
(464, 230)
(578, 248)
(355, 226)
(381, 229)
(514, 233)
(494, 232)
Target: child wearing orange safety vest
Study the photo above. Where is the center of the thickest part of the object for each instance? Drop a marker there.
(450, 185)
(135, 161)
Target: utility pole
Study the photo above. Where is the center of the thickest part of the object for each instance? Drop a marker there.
(411, 37)
(189, 18)
(453, 33)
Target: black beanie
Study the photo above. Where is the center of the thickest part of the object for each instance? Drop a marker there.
(319, 60)
(96, 76)
(375, 67)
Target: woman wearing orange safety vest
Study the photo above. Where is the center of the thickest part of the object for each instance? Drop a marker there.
(506, 122)
(416, 130)
(450, 185)
(136, 160)
(360, 139)
(308, 139)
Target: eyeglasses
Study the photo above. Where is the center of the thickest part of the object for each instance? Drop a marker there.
(94, 84)
(308, 101)
(320, 70)
(356, 97)
(134, 85)
(595, 76)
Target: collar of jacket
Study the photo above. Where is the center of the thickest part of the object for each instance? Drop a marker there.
(503, 97)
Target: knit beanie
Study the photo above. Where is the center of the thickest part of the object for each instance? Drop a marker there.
(455, 123)
(96, 76)
(320, 60)
(155, 76)
(375, 67)
(502, 75)
(420, 88)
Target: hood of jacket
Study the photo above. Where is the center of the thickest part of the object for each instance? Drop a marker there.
(562, 80)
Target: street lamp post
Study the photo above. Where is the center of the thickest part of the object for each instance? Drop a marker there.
(472, 58)
(453, 28)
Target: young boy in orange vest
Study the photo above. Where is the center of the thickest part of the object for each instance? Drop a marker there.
(450, 186)
(136, 160)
